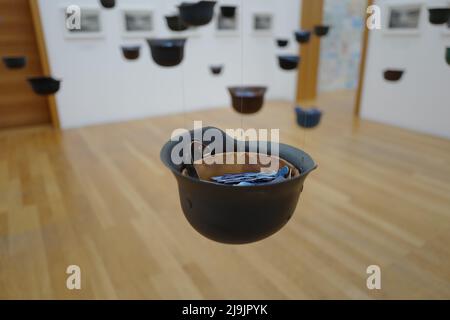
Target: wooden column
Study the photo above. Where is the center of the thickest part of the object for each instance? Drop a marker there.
(311, 15)
(362, 64)
(44, 58)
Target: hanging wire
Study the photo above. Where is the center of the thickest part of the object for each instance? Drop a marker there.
(183, 95)
(241, 25)
(304, 118)
(304, 138)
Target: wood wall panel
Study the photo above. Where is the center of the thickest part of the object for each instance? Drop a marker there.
(19, 105)
(311, 15)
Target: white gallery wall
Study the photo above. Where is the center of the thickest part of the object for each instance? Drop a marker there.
(421, 99)
(100, 86)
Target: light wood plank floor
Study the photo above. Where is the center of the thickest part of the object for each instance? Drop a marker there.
(100, 198)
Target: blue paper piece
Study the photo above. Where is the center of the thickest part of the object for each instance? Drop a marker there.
(252, 178)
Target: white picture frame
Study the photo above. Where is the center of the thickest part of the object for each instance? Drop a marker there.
(137, 22)
(91, 20)
(263, 23)
(228, 27)
(403, 19)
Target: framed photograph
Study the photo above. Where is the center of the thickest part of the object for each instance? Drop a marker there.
(227, 26)
(137, 22)
(403, 19)
(90, 24)
(262, 23)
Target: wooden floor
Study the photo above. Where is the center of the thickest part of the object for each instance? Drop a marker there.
(99, 197)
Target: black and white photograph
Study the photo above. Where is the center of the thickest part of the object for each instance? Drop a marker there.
(404, 17)
(262, 22)
(137, 22)
(227, 23)
(90, 24)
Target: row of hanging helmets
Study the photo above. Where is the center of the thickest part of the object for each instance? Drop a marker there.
(169, 52)
(41, 85)
(436, 16)
(306, 117)
(250, 99)
(290, 62)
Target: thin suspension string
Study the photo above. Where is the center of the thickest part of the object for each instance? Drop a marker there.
(183, 94)
(304, 137)
(308, 44)
(241, 25)
(304, 117)
(304, 125)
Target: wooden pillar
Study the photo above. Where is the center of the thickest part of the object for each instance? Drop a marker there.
(362, 64)
(311, 15)
(44, 58)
